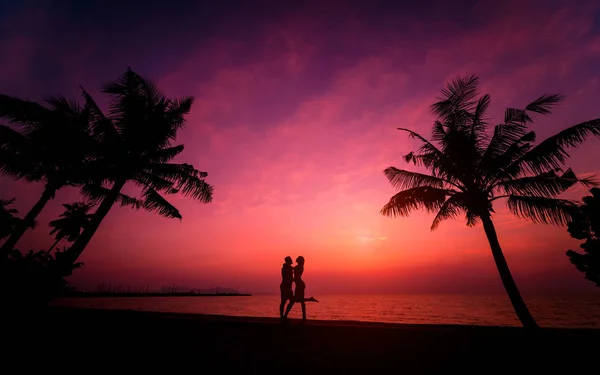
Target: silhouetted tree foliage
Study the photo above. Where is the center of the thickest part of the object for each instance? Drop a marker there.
(51, 145)
(65, 144)
(136, 138)
(30, 280)
(472, 164)
(75, 218)
(586, 226)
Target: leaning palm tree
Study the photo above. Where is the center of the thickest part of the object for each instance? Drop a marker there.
(470, 169)
(72, 221)
(51, 145)
(137, 137)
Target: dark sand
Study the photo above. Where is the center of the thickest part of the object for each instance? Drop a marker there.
(91, 341)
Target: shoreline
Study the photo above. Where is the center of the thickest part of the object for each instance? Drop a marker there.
(320, 322)
(221, 343)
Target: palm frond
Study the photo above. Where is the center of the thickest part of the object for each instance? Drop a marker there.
(547, 184)
(472, 218)
(479, 120)
(402, 179)
(103, 126)
(432, 158)
(515, 116)
(156, 182)
(177, 109)
(154, 202)
(552, 153)
(188, 180)
(541, 105)
(65, 106)
(165, 155)
(152, 93)
(542, 209)
(129, 82)
(449, 210)
(15, 153)
(501, 166)
(438, 133)
(96, 194)
(23, 112)
(196, 188)
(423, 197)
(481, 108)
(11, 138)
(458, 96)
(506, 138)
(128, 108)
(544, 103)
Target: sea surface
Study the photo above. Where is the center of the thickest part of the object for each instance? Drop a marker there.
(569, 311)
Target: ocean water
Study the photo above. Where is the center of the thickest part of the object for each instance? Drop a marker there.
(568, 311)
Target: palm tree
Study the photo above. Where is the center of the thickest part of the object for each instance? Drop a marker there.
(469, 169)
(137, 136)
(72, 221)
(51, 145)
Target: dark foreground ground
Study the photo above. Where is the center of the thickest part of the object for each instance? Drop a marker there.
(95, 341)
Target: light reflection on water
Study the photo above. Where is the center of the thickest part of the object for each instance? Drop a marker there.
(582, 311)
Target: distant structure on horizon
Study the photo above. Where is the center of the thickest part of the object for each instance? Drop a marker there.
(166, 289)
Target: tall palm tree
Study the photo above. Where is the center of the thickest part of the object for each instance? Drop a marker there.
(72, 221)
(137, 136)
(469, 169)
(50, 144)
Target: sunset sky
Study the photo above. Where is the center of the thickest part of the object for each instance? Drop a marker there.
(295, 120)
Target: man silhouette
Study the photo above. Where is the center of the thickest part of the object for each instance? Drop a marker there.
(287, 278)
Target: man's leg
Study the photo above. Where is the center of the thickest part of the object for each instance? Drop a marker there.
(282, 306)
(289, 307)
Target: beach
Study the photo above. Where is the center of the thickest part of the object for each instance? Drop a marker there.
(555, 311)
(121, 339)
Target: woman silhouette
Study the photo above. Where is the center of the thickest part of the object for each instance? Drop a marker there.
(299, 291)
(287, 279)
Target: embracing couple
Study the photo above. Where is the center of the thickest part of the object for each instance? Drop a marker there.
(289, 275)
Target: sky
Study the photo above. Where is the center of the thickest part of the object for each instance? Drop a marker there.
(295, 120)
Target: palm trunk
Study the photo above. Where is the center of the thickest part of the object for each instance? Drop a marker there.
(54, 244)
(11, 242)
(85, 237)
(509, 283)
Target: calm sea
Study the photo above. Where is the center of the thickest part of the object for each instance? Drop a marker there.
(577, 311)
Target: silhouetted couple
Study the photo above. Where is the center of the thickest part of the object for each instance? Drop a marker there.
(289, 275)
